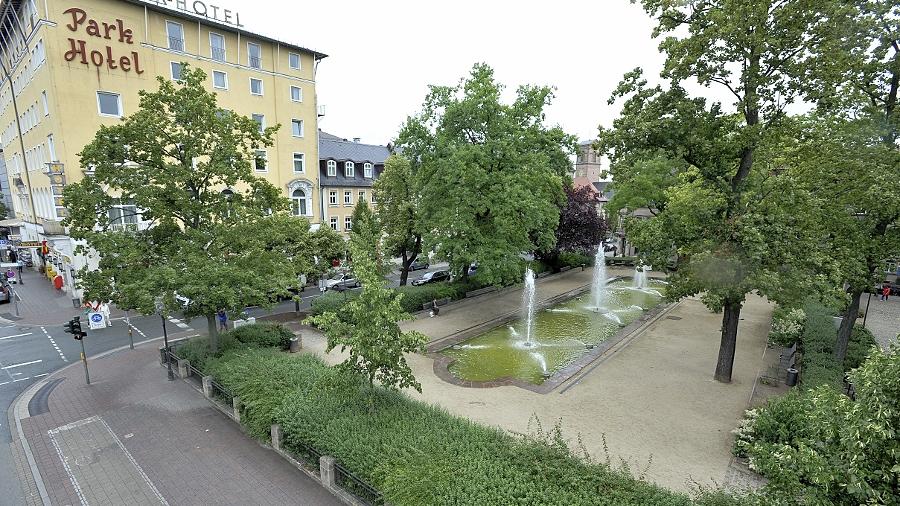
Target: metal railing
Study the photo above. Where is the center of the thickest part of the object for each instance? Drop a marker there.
(220, 393)
(217, 53)
(304, 454)
(254, 62)
(356, 486)
(176, 43)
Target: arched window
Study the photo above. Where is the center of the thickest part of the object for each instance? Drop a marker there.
(349, 169)
(332, 168)
(300, 203)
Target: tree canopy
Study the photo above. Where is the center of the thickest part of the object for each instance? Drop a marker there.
(490, 175)
(212, 234)
(398, 212)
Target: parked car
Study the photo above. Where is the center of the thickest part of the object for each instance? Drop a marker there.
(341, 281)
(419, 265)
(5, 294)
(432, 277)
(473, 269)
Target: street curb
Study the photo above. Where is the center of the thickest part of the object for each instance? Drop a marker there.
(20, 405)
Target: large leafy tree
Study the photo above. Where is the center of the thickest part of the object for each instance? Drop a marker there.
(367, 326)
(581, 228)
(398, 212)
(490, 174)
(218, 237)
(727, 199)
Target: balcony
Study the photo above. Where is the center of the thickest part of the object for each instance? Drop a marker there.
(176, 43)
(254, 62)
(217, 53)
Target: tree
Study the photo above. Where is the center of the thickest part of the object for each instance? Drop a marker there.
(581, 228)
(398, 212)
(727, 197)
(490, 174)
(329, 246)
(366, 231)
(4, 211)
(218, 236)
(367, 327)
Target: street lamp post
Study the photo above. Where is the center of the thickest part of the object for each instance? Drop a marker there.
(160, 309)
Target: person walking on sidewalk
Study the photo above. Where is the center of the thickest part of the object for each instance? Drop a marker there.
(885, 291)
(222, 317)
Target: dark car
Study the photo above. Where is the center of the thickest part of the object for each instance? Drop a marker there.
(419, 264)
(432, 277)
(5, 294)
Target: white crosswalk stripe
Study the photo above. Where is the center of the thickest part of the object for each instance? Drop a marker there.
(55, 347)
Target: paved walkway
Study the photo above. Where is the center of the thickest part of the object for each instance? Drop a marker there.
(132, 437)
(40, 303)
(653, 403)
(883, 319)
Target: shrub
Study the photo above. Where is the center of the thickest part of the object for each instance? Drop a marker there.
(817, 341)
(415, 296)
(861, 343)
(416, 453)
(197, 350)
(264, 335)
(331, 301)
(787, 326)
(821, 447)
(573, 259)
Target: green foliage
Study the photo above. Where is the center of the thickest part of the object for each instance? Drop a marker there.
(787, 325)
(398, 212)
(821, 447)
(172, 159)
(263, 335)
(367, 326)
(818, 365)
(572, 259)
(415, 453)
(415, 296)
(331, 301)
(490, 175)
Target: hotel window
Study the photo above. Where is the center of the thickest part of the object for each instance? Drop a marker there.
(176, 35)
(176, 70)
(373, 196)
(348, 198)
(260, 162)
(348, 222)
(362, 196)
(296, 94)
(367, 170)
(333, 221)
(46, 103)
(220, 80)
(216, 46)
(299, 162)
(294, 61)
(51, 147)
(261, 120)
(332, 168)
(123, 212)
(348, 169)
(254, 55)
(256, 86)
(300, 202)
(297, 127)
(332, 198)
(109, 104)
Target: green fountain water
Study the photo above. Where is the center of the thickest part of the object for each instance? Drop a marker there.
(560, 335)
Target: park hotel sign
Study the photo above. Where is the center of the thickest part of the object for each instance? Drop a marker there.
(203, 9)
(78, 21)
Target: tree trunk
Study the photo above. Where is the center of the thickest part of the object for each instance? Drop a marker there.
(404, 270)
(731, 313)
(213, 333)
(843, 337)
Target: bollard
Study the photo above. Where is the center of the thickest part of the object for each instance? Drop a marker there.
(236, 406)
(326, 471)
(207, 386)
(15, 297)
(276, 437)
(183, 368)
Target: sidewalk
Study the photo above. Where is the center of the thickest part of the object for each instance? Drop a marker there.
(883, 319)
(132, 437)
(40, 303)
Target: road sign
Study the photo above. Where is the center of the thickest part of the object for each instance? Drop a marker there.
(97, 320)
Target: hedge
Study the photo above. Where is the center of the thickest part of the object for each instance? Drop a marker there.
(199, 353)
(818, 366)
(415, 453)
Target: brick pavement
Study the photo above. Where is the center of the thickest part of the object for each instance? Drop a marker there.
(132, 437)
(883, 319)
(40, 303)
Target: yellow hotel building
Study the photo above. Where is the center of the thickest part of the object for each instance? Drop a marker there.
(78, 64)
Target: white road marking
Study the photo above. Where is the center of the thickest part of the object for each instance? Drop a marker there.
(17, 335)
(21, 379)
(139, 331)
(63, 357)
(22, 364)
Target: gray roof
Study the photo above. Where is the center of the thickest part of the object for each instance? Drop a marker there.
(332, 147)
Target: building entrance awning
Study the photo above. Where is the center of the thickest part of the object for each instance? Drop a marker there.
(11, 223)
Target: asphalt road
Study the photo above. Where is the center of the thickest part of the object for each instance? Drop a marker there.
(29, 353)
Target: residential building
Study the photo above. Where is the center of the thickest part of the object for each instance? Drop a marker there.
(76, 66)
(347, 172)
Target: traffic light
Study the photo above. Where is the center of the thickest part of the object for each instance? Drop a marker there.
(73, 327)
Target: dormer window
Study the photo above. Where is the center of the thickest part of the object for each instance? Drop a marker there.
(349, 169)
(367, 170)
(332, 168)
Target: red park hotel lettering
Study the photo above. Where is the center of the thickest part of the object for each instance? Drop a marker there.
(108, 31)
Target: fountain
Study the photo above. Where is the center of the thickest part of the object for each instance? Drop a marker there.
(598, 283)
(528, 308)
(640, 276)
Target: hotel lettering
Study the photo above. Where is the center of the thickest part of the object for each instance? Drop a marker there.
(80, 51)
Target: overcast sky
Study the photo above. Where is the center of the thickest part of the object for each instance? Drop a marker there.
(383, 55)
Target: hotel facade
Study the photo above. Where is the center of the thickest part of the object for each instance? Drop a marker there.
(70, 67)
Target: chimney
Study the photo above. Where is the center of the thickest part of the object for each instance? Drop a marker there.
(356, 139)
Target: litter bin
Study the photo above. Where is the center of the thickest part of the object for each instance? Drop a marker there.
(792, 376)
(295, 343)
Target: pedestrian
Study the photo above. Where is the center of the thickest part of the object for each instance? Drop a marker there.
(223, 320)
(13, 258)
(434, 308)
(885, 291)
